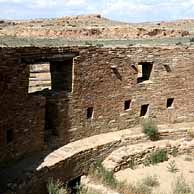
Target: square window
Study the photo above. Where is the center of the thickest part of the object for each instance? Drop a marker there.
(90, 112)
(53, 75)
(169, 103)
(127, 104)
(144, 71)
(167, 68)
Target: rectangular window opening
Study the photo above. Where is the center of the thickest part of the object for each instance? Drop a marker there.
(167, 68)
(127, 104)
(53, 75)
(61, 75)
(40, 77)
(9, 136)
(144, 71)
(90, 111)
(170, 102)
(144, 110)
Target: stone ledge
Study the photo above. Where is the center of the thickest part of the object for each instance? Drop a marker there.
(73, 159)
(120, 158)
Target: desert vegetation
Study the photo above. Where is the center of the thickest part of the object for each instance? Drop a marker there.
(160, 155)
(150, 129)
(12, 41)
(147, 184)
(57, 187)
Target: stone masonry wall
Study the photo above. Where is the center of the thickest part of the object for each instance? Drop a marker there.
(72, 160)
(103, 79)
(97, 85)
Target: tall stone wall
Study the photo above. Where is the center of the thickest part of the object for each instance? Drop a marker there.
(102, 80)
(21, 115)
(105, 78)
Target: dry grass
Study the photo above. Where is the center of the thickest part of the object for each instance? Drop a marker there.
(11, 41)
(99, 174)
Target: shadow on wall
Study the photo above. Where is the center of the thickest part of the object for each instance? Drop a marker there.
(11, 172)
(52, 78)
(57, 120)
(21, 170)
(116, 72)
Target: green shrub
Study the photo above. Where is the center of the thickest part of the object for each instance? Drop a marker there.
(174, 152)
(179, 43)
(80, 189)
(100, 44)
(151, 181)
(131, 163)
(160, 155)
(56, 187)
(181, 187)
(188, 159)
(190, 133)
(150, 129)
(107, 178)
(172, 167)
(142, 189)
(147, 161)
(104, 175)
(192, 40)
(89, 43)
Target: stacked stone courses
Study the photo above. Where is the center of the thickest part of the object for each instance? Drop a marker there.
(101, 80)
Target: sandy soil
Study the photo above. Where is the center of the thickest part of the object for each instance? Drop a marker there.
(96, 187)
(166, 179)
(94, 26)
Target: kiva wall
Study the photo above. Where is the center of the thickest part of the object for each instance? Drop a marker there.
(104, 96)
(105, 78)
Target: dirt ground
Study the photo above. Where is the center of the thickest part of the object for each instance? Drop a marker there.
(94, 26)
(167, 179)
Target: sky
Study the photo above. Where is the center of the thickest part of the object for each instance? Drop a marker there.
(122, 10)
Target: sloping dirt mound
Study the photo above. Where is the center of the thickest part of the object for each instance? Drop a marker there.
(94, 27)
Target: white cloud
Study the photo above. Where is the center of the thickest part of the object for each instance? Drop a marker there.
(42, 3)
(58, 3)
(142, 10)
(47, 3)
(124, 6)
(11, 1)
(75, 2)
(24, 1)
(143, 5)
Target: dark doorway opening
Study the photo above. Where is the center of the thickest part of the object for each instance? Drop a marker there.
(9, 136)
(144, 110)
(73, 185)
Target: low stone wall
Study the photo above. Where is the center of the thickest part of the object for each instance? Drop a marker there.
(73, 160)
(68, 162)
(131, 155)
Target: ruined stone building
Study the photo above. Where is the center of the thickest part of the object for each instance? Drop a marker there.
(74, 92)
(59, 95)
